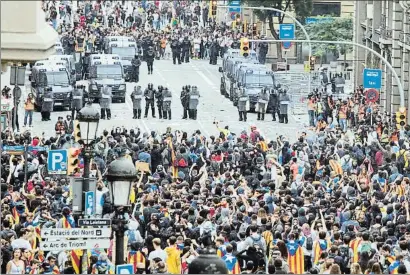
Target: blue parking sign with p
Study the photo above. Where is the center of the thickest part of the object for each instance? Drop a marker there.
(57, 162)
(124, 269)
(372, 78)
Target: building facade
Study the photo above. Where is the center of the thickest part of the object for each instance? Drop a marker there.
(25, 36)
(384, 26)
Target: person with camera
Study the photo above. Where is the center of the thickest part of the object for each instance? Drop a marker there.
(29, 110)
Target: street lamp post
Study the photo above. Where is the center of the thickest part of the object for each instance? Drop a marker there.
(121, 175)
(399, 85)
(89, 118)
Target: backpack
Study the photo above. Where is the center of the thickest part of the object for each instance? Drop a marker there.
(365, 248)
(309, 243)
(344, 254)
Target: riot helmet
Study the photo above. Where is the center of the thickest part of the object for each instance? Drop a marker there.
(160, 87)
(150, 85)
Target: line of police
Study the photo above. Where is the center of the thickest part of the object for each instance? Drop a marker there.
(279, 104)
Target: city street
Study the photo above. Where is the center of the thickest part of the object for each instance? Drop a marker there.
(213, 106)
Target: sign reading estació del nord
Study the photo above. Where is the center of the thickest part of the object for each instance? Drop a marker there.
(76, 232)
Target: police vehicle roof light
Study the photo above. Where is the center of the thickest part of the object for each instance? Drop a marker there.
(97, 63)
(43, 70)
(117, 63)
(114, 45)
(96, 57)
(249, 71)
(62, 69)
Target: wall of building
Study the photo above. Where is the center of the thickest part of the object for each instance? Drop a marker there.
(25, 36)
(384, 27)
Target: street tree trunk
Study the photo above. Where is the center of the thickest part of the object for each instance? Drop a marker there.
(276, 37)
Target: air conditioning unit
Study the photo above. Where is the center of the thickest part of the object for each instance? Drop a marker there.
(369, 11)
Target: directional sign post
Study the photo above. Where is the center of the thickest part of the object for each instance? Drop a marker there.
(124, 269)
(57, 162)
(286, 31)
(75, 244)
(94, 222)
(234, 9)
(75, 233)
(372, 78)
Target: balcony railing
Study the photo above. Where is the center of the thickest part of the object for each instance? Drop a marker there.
(386, 34)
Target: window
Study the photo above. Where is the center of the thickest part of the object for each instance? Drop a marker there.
(124, 52)
(57, 78)
(259, 80)
(109, 70)
(324, 8)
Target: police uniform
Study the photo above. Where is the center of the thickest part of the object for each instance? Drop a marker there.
(284, 101)
(136, 98)
(242, 103)
(105, 102)
(185, 101)
(176, 51)
(263, 51)
(150, 59)
(193, 102)
(136, 63)
(275, 104)
(186, 50)
(149, 94)
(48, 103)
(76, 100)
(262, 103)
(160, 100)
(167, 103)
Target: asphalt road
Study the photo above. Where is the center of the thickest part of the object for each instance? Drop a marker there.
(213, 106)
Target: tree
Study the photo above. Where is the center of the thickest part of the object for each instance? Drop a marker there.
(332, 29)
(302, 9)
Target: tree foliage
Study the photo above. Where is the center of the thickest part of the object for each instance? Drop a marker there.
(339, 29)
(302, 9)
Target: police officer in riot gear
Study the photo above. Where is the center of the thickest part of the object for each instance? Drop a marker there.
(105, 102)
(48, 103)
(186, 49)
(263, 51)
(136, 97)
(149, 95)
(242, 104)
(284, 102)
(193, 102)
(160, 100)
(167, 104)
(77, 100)
(213, 52)
(176, 51)
(275, 103)
(135, 63)
(262, 103)
(150, 59)
(185, 101)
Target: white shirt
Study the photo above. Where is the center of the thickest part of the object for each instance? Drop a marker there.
(21, 243)
(159, 253)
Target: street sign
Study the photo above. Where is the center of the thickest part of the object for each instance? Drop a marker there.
(234, 9)
(57, 162)
(75, 244)
(286, 31)
(372, 78)
(75, 233)
(372, 95)
(94, 222)
(21, 148)
(286, 45)
(89, 203)
(124, 269)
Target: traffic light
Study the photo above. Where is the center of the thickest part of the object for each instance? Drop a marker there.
(244, 47)
(213, 8)
(312, 61)
(401, 119)
(254, 29)
(77, 132)
(73, 161)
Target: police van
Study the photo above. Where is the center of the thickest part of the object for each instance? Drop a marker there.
(251, 81)
(59, 48)
(227, 78)
(106, 69)
(238, 71)
(125, 47)
(69, 63)
(54, 75)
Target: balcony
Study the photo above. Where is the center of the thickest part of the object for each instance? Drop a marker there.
(385, 36)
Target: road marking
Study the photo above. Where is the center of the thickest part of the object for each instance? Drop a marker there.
(207, 80)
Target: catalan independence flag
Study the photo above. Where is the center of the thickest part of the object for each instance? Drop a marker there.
(354, 245)
(173, 159)
(221, 251)
(135, 258)
(296, 257)
(319, 247)
(232, 264)
(76, 253)
(393, 267)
